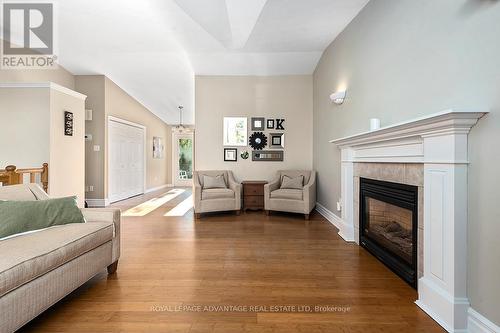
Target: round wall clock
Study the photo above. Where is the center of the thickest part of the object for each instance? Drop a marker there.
(258, 140)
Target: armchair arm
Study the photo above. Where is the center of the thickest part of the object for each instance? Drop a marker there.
(236, 187)
(272, 186)
(309, 192)
(106, 215)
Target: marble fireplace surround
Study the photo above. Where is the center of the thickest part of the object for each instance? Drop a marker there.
(435, 147)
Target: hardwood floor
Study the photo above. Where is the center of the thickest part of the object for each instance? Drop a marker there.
(263, 263)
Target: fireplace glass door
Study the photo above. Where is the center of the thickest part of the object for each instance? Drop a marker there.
(391, 227)
(388, 225)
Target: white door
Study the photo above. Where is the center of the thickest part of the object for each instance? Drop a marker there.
(125, 161)
(183, 159)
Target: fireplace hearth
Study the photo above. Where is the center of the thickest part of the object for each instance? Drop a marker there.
(388, 225)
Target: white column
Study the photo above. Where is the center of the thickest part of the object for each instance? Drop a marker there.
(442, 290)
(346, 228)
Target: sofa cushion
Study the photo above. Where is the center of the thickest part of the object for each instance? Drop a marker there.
(217, 193)
(16, 192)
(21, 216)
(290, 194)
(26, 257)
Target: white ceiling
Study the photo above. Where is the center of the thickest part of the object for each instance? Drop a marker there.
(153, 48)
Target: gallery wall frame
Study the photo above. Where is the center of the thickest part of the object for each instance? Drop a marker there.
(235, 131)
(268, 156)
(230, 154)
(277, 140)
(258, 123)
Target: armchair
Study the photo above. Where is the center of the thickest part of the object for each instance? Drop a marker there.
(300, 201)
(216, 199)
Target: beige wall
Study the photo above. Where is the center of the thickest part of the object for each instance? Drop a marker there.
(26, 108)
(105, 99)
(34, 134)
(400, 59)
(122, 105)
(93, 87)
(67, 153)
(288, 97)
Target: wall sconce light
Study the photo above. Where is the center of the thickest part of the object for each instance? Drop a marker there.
(338, 97)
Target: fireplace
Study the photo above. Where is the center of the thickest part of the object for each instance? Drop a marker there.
(388, 225)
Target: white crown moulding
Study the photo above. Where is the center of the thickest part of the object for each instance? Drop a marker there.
(50, 85)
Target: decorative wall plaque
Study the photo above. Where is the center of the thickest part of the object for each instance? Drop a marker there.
(68, 123)
(268, 155)
(258, 140)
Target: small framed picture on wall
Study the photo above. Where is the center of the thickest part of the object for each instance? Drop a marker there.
(258, 124)
(230, 154)
(68, 123)
(277, 140)
(270, 124)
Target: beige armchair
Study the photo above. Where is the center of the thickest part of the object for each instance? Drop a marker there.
(216, 199)
(300, 201)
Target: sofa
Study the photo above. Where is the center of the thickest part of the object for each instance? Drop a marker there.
(300, 201)
(39, 268)
(216, 199)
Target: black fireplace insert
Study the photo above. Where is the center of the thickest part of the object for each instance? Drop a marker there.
(388, 225)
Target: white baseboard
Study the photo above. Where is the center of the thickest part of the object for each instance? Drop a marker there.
(97, 203)
(477, 323)
(344, 230)
(149, 190)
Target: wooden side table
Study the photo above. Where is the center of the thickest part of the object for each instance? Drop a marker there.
(253, 195)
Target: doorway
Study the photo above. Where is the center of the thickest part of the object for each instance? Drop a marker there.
(183, 159)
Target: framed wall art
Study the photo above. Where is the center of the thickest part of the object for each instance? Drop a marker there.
(230, 154)
(270, 124)
(277, 140)
(68, 123)
(268, 156)
(258, 124)
(158, 147)
(235, 131)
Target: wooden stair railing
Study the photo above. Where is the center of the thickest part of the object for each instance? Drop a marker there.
(13, 176)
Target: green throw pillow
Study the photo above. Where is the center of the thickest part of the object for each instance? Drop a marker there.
(21, 216)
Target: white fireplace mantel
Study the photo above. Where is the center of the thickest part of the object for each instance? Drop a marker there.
(439, 142)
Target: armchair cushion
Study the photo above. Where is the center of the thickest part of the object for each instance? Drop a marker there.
(292, 183)
(210, 182)
(285, 193)
(217, 193)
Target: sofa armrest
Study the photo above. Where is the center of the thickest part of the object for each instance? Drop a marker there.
(196, 192)
(309, 192)
(106, 215)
